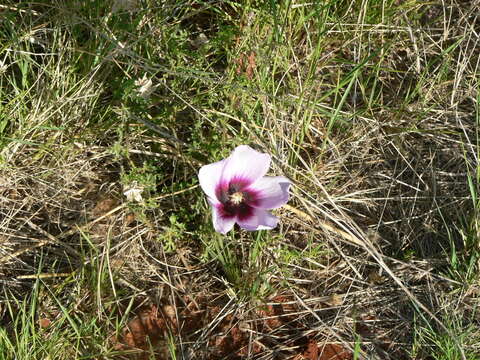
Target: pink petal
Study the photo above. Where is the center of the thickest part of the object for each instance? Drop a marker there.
(209, 176)
(222, 224)
(247, 164)
(272, 192)
(260, 220)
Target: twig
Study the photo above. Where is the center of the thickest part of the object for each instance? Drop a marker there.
(52, 239)
(45, 276)
(17, 253)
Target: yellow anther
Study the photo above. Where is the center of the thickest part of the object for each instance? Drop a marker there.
(236, 198)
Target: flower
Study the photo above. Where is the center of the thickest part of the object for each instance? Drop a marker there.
(134, 192)
(145, 87)
(239, 192)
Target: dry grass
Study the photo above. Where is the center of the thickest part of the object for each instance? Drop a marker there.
(371, 108)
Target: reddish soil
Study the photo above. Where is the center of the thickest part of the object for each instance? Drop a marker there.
(228, 336)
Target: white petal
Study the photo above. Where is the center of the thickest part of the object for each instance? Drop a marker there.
(209, 176)
(246, 164)
(134, 194)
(260, 220)
(221, 224)
(272, 191)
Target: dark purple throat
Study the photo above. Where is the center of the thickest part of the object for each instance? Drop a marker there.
(236, 198)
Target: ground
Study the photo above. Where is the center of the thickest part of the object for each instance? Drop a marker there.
(109, 108)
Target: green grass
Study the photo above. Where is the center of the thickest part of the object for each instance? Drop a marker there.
(69, 333)
(441, 346)
(369, 107)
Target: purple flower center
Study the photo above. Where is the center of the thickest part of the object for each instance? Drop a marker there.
(236, 199)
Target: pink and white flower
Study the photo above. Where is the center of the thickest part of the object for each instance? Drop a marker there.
(239, 191)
